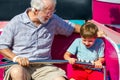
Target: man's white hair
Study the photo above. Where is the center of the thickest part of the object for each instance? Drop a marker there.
(39, 4)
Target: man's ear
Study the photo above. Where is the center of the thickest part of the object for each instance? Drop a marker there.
(35, 11)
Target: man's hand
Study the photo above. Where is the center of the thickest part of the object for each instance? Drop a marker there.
(22, 61)
(101, 34)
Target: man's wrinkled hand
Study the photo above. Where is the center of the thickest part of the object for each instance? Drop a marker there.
(101, 34)
(22, 61)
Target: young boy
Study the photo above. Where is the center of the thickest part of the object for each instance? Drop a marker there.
(88, 48)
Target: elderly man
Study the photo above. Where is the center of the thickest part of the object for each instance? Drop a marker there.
(30, 38)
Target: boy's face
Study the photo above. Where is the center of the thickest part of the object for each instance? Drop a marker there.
(88, 42)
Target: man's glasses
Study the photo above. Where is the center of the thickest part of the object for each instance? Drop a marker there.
(49, 12)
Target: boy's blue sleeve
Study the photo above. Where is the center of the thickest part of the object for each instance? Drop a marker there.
(101, 50)
(73, 47)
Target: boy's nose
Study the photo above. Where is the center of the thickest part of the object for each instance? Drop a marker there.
(86, 43)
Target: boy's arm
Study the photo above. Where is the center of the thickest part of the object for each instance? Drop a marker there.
(67, 56)
(101, 60)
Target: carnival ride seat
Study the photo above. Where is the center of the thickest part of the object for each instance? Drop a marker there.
(107, 17)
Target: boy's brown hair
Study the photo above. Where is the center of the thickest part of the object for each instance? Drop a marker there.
(88, 30)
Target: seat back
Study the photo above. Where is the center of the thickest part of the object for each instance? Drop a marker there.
(105, 12)
(112, 56)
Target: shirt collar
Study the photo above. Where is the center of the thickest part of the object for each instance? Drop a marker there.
(25, 17)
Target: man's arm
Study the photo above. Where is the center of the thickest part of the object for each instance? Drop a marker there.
(7, 53)
(77, 28)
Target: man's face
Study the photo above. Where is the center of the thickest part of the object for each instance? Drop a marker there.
(46, 14)
(88, 42)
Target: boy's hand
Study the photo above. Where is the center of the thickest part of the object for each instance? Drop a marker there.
(98, 64)
(72, 60)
